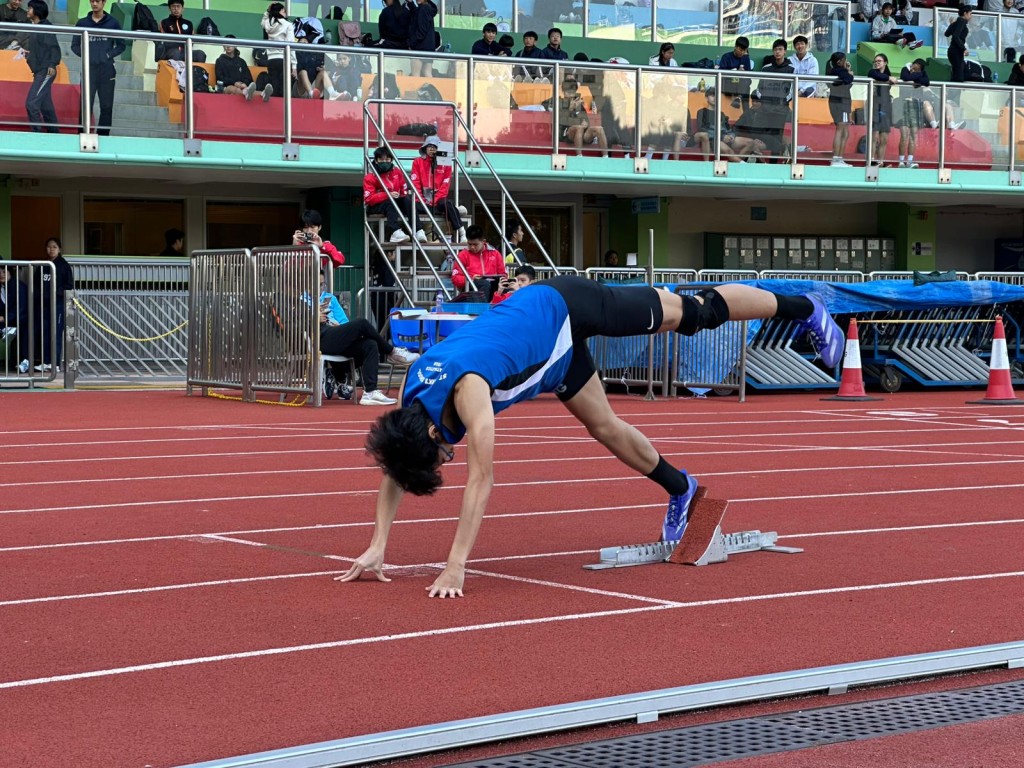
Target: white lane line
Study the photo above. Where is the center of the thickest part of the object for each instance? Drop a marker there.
(849, 494)
(902, 528)
(265, 652)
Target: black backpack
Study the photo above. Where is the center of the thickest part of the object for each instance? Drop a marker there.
(144, 20)
(200, 80)
(428, 92)
(208, 27)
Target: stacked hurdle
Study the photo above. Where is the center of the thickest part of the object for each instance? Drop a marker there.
(703, 542)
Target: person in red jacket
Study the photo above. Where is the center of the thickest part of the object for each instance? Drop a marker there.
(525, 274)
(477, 259)
(389, 183)
(310, 233)
(432, 180)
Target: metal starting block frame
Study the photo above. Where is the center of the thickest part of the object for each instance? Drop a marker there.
(722, 545)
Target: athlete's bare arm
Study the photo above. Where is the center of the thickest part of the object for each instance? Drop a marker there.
(472, 402)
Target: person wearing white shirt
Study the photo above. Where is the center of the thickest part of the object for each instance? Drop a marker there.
(804, 63)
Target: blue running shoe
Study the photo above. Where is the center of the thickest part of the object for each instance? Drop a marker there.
(826, 337)
(678, 511)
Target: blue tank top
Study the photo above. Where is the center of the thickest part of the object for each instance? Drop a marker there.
(520, 347)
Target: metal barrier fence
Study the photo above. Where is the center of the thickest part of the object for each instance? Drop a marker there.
(639, 274)
(31, 323)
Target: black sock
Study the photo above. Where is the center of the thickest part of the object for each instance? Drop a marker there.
(793, 307)
(669, 478)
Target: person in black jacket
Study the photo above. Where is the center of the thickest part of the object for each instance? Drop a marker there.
(957, 34)
(103, 51)
(393, 25)
(50, 311)
(175, 24)
(530, 51)
(43, 58)
(422, 36)
(232, 73)
(14, 316)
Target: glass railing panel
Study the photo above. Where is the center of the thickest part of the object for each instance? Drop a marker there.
(613, 107)
(248, 105)
(340, 80)
(823, 24)
(759, 21)
(56, 102)
(512, 106)
(982, 40)
(976, 127)
(665, 114)
(687, 21)
(473, 14)
(615, 21)
(542, 15)
(831, 123)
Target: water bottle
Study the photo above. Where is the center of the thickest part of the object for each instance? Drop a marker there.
(447, 47)
(718, 62)
(995, 76)
(438, 301)
(701, 85)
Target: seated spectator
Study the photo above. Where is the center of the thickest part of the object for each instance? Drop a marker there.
(174, 24)
(390, 184)
(514, 235)
(611, 259)
(309, 234)
(477, 259)
(884, 29)
(359, 340)
(737, 59)
(14, 321)
(776, 93)
(308, 64)
(709, 125)
(757, 137)
(393, 25)
(278, 29)
(42, 59)
(573, 121)
(530, 50)
(232, 73)
(1017, 73)
(340, 79)
(1010, 6)
(554, 48)
(665, 57)
(506, 42)
(432, 181)
(868, 10)
(524, 275)
(488, 46)
(804, 63)
(174, 243)
(11, 12)
(840, 104)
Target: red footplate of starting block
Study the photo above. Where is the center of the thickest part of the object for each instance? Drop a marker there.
(702, 530)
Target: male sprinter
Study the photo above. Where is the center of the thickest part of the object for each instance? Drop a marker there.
(456, 387)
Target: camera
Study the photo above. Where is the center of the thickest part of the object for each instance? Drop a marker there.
(308, 237)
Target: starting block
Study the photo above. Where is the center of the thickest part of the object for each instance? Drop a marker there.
(703, 542)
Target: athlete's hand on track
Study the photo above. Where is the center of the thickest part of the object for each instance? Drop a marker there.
(449, 583)
(371, 561)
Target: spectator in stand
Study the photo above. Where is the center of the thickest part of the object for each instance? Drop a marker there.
(1017, 73)
(611, 259)
(573, 120)
(277, 28)
(11, 12)
(388, 182)
(776, 93)
(309, 65)
(524, 275)
(174, 24)
(913, 111)
(102, 53)
(507, 42)
(1010, 6)
(868, 10)
(737, 87)
(882, 118)
(422, 37)
(804, 63)
(710, 124)
(393, 25)
(432, 180)
(487, 46)
(309, 233)
(883, 30)
(232, 73)
(14, 320)
(477, 260)
(49, 312)
(665, 57)
(554, 48)
(340, 79)
(174, 243)
(359, 340)
(757, 134)
(43, 58)
(957, 33)
(530, 50)
(840, 105)
(514, 235)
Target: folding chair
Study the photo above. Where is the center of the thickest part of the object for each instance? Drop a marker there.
(328, 382)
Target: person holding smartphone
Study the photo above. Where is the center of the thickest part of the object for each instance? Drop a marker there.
(477, 260)
(524, 275)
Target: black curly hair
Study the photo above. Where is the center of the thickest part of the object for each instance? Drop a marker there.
(401, 445)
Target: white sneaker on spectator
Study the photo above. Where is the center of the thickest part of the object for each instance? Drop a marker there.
(463, 212)
(913, 165)
(250, 89)
(421, 236)
(23, 366)
(402, 356)
(902, 165)
(376, 398)
(399, 236)
(43, 368)
(838, 162)
(956, 125)
(933, 124)
(267, 93)
(460, 236)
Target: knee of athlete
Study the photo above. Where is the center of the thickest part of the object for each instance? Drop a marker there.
(703, 312)
(606, 430)
(400, 444)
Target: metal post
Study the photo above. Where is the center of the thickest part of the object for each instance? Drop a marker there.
(654, 22)
(796, 122)
(785, 19)
(586, 16)
(86, 86)
(651, 342)
(188, 102)
(70, 362)
(942, 127)
(743, 362)
(1013, 130)
(869, 105)
(718, 118)
(286, 77)
(848, 24)
(515, 16)
(638, 133)
(721, 20)
(557, 101)
(935, 26)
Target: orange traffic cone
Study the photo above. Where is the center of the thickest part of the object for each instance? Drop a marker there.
(1000, 386)
(851, 383)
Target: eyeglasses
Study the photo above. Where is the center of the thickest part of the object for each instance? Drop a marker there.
(447, 452)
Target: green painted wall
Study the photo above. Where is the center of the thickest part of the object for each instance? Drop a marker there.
(910, 225)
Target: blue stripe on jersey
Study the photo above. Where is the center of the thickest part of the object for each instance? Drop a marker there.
(520, 347)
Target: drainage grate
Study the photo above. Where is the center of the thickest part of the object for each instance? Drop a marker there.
(731, 740)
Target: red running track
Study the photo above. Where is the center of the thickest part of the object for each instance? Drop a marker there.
(167, 594)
